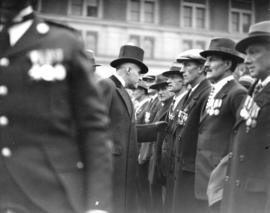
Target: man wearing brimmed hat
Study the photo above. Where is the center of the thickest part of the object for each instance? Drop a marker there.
(247, 186)
(219, 114)
(156, 178)
(186, 131)
(129, 66)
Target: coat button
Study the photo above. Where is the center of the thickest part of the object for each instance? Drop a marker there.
(230, 155)
(241, 157)
(227, 178)
(237, 183)
(79, 165)
(3, 90)
(4, 62)
(6, 152)
(3, 120)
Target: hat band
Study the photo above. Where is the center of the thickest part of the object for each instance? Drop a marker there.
(225, 50)
(259, 33)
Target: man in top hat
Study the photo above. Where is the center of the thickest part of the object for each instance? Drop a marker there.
(247, 187)
(176, 86)
(55, 151)
(220, 112)
(185, 132)
(129, 66)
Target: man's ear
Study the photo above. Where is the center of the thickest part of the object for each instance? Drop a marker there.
(228, 64)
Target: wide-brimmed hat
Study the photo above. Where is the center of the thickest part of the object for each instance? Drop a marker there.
(190, 55)
(161, 81)
(149, 78)
(133, 54)
(175, 69)
(224, 47)
(259, 32)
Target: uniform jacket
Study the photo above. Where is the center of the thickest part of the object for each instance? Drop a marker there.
(215, 135)
(123, 132)
(247, 183)
(55, 125)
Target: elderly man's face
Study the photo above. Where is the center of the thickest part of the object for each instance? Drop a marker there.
(175, 83)
(215, 68)
(164, 94)
(258, 60)
(191, 72)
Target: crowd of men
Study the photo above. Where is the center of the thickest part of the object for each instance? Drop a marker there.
(192, 139)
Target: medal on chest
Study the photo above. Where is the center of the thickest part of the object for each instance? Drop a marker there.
(147, 117)
(250, 112)
(214, 107)
(182, 117)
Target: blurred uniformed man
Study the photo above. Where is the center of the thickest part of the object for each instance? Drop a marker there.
(247, 186)
(55, 151)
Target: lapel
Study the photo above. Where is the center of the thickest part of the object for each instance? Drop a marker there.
(195, 95)
(162, 112)
(220, 95)
(30, 38)
(123, 94)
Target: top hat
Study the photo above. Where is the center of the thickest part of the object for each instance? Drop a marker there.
(224, 47)
(259, 32)
(133, 54)
(160, 82)
(191, 55)
(175, 69)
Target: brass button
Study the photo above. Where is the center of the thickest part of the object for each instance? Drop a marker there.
(230, 155)
(3, 90)
(4, 62)
(79, 165)
(237, 183)
(3, 120)
(227, 178)
(6, 152)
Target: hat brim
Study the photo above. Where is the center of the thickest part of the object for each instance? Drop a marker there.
(159, 85)
(168, 73)
(115, 63)
(182, 59)
(207, 53)
(242, 45)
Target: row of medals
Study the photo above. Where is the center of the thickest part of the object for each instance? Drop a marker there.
(214, 109)
(250, 112)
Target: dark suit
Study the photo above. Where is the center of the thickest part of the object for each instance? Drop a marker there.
(215, 135)
(54, 141)
(156, 178)
(122, 126)
(186, 137)
(247, 183)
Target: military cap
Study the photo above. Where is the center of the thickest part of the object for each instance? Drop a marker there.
(259, 32)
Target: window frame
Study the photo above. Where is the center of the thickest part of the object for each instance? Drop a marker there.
(241, 12)
(84, 9)
(96, 35)
(194, 7)
(142, 11)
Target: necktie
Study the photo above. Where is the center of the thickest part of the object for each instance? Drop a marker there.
(258, 88)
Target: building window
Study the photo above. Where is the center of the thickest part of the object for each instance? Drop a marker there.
(143, 11)
(148, 46)
(91, 40)
(88, 8)
(187, 44)
(147, 43)
(194, 14)
(200, 45)
(241, 15)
